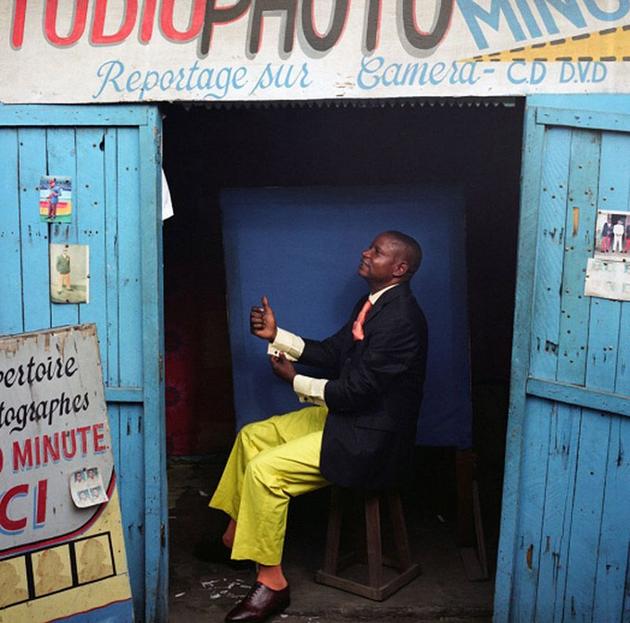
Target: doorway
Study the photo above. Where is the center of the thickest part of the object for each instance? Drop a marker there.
(475, 144)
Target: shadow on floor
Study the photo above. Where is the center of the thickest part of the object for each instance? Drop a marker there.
(202, 591)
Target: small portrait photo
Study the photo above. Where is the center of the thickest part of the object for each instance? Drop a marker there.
(55, 198)
(69, 273)
(612, 236)
(78, 476)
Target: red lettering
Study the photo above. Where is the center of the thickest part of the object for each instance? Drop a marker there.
(195, 24)
(50, 449)
(38, 458)
(40, 504)
(78, 27)
(83, 431)
(98, 438)
(22, 458)
(65, 435)
(148, 18)
(6, 523)
(19, 18)
(98, 25)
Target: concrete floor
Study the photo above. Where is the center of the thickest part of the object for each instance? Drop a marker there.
(202, 591)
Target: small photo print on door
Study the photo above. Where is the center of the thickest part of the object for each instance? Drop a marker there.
(612, 236)
(55, 199)
(69, 273)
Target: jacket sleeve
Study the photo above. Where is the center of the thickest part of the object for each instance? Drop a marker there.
(392, 350)
(327, 353)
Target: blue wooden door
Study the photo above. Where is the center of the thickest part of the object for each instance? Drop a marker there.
(112, 155)
(565, 530)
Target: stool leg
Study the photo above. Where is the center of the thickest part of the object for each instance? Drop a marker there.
(400, 531)
(331, 558)
(373, 538)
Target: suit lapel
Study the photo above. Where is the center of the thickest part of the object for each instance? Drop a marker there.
(390, 295)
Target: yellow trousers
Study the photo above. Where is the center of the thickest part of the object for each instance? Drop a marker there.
(271, 461)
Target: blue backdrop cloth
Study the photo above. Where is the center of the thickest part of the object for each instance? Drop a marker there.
(301, 247)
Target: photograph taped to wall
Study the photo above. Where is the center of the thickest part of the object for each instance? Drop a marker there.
(55, 198)
(612, 236)
(69, 273)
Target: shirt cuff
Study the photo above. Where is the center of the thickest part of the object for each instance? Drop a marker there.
(309, 389)
(288, 343)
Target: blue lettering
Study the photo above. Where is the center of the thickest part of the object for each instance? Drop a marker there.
(530, 22)
(473, 13)
(107, 69)
(511, 67)
(569, 9)
(370, 66)
(133, 81)
(622, 11)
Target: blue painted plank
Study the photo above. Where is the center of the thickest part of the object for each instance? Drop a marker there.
(155, 494)
(111, 337)
(590, 484)
(579, 396)
(91, 221)
(579, 241)
(613, 568)
(585, 119)
(604, 339)
(611, 103)
(130, 334)
(622, 193)
(48, 115)
(557, 517)
(34, 233)
(132, 498)
(10, 252)
(504, 603)
(549, 253)
(62, 161)
(535, 456)
(129, 258)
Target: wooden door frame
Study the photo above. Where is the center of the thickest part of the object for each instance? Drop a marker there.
(148, 121)
(538, 115)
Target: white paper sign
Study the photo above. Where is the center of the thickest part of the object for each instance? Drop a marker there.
(128, 50)
(608, 280)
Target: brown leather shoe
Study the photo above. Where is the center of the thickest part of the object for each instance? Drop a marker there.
(260, 603)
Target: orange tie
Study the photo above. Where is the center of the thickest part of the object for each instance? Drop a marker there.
(357, 327)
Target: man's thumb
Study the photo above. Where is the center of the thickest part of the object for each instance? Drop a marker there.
(265, 302)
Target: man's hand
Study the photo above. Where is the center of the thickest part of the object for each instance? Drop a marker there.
(282, 368)
(262, 322)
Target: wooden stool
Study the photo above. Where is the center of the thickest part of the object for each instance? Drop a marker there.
(376, 588)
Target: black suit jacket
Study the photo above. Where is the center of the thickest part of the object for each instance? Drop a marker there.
(374, 402)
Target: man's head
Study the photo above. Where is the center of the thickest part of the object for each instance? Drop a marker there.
(392, 257)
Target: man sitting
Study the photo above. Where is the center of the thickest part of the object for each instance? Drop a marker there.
(360, 432)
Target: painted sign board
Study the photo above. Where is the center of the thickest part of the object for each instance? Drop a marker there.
(227, 50)
(58, 559)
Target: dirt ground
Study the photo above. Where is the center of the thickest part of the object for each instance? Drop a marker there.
(204, 591)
